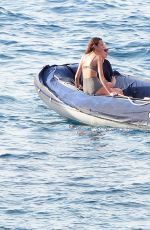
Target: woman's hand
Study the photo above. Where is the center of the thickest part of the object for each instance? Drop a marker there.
(115, 92)
(112, 94)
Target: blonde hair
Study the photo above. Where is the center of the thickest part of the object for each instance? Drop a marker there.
(92, 43)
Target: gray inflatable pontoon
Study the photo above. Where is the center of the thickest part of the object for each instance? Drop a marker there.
(55, 86)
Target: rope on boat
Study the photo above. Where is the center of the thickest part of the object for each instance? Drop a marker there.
(146, 100)
(131, 100)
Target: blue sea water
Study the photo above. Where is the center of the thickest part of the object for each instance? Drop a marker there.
(54, 174)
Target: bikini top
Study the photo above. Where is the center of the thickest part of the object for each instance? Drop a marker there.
(92, 67)
(107, 69)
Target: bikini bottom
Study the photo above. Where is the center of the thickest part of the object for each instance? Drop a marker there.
(91, 85)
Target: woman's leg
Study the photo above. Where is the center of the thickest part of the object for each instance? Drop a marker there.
(112, 84)
(103, 91)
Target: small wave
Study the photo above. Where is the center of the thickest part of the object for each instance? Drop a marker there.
(131, 204)
(3, 10)
(32, 51)
(16, 211)
(28, 155)
(5, 156)
(6, 42)
(44, 28)
(7, 98)
(61, 9)
(7, 228)
(5, 57)
(12, 15)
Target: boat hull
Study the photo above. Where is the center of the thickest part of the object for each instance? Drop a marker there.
(63, 97)
(53, 103)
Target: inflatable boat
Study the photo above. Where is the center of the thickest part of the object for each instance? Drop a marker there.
(55, 86)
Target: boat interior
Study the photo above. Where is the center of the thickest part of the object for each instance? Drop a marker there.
(132, 87)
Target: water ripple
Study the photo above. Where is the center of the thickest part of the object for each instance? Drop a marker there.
(55, 173)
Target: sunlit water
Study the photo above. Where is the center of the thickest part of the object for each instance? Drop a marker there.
(55, 174)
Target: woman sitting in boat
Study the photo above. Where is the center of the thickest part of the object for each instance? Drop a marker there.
(93, 68)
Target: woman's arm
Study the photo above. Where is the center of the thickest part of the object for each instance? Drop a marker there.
(78, 74)
(101, 75)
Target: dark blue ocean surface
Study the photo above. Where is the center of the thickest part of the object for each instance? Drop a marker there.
(54, 174)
